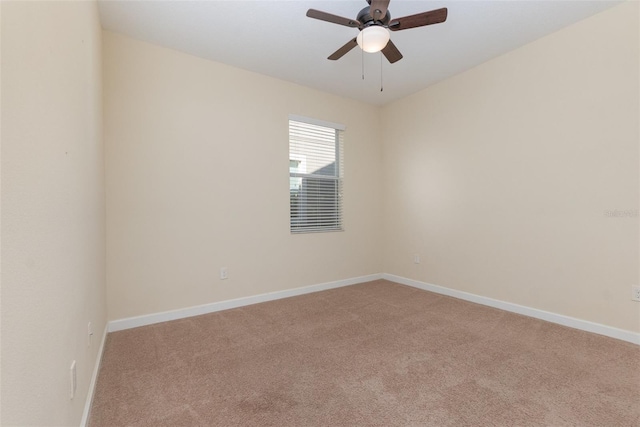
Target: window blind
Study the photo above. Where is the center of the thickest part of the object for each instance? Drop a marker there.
(315, 177)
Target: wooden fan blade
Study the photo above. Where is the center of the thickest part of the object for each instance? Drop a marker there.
(378, 9)
(419, 20)
(334, 19)
(343, 50)
(391, 52)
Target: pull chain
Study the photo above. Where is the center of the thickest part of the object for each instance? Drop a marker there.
(362, 50)
(381, 88)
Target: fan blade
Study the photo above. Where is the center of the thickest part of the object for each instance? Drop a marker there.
(334, 19)
(378, 9)
(419, 20)
(343, 50)
(391, 52)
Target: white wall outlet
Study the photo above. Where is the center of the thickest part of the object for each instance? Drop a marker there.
(73, 381)
(89, 333)
(416, 258)
(635, 293)
(224, 274)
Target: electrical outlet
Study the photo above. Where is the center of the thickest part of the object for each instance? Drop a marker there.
(635, 293)
(224, 274)
(416, 258)
(73, 383)
(90, 334)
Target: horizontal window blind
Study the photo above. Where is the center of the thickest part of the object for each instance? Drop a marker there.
(315, 177)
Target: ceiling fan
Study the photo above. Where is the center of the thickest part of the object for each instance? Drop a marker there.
(374, 21)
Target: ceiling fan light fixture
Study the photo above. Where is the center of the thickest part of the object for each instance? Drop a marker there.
(373, 39)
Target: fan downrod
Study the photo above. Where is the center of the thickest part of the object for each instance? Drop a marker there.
(364, 16)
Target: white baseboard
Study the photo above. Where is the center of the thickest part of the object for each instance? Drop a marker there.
(150, 319)
(597, 328)
(94, 379)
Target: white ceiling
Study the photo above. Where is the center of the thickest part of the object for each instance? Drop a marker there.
(275, 38)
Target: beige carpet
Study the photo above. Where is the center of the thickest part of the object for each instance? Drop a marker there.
(374, 354)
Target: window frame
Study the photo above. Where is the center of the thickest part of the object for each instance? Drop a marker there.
(315, 226)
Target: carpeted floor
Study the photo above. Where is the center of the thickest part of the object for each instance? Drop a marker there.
(374, 354)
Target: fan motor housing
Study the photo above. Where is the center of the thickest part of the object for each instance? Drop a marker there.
(365, 17)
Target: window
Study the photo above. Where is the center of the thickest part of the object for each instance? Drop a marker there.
(315, 175)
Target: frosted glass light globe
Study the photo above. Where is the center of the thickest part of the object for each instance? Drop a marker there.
(373, 39)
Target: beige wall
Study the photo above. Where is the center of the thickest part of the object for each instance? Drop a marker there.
(500, 177)
(197, 179)
(52, 208)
